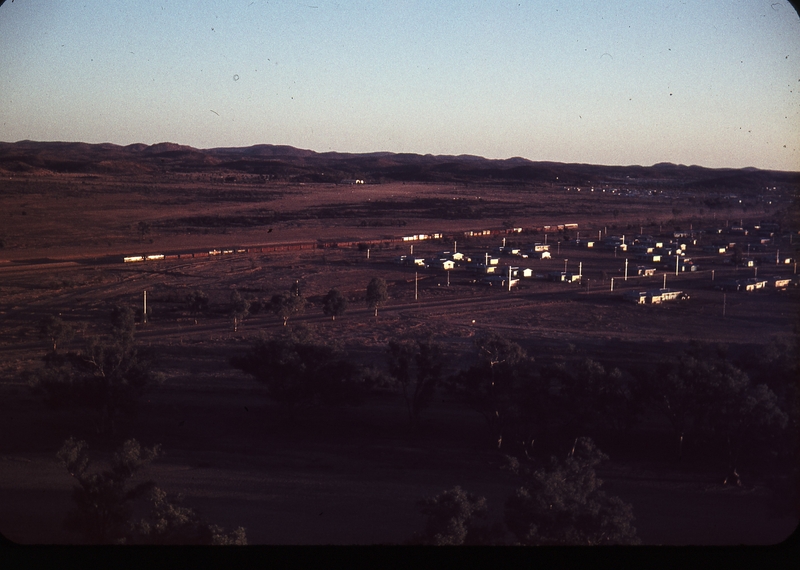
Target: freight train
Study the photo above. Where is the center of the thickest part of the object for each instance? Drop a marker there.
(323, 244)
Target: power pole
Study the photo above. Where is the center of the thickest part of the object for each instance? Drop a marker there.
(612, 284)
(665, 281)
(367, 253)
(565, 265)
(626, 269)
(580, 269)
(677, 259)
(416, 288)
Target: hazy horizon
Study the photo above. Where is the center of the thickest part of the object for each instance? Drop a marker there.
(617, 84)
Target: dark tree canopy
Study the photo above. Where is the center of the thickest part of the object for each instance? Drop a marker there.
(377, 294)
(334, 304)
(591, 398)
(300, 371)
(502, 386)
(168, 522)
(102, 500)
(562, 504)
(453, 518)
(107, 377)
(703, 394)
(239, 308)
(286, 304)
(417, 367)
(197, 302)
(55, 330)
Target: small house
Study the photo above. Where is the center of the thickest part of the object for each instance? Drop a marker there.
(754, 283)
(658, 296)
(638, 297)
(781, 282)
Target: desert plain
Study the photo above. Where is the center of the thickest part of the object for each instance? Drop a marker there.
(354, 474)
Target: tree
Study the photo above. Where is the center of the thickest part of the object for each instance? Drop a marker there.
(286, 304)
(562, 504)
(377, 293)
(171, 523)
(703, 393)
(298, 371)
(144, 229)
(417, 367)
(495, 385)
(102, 500)
(55, 330)
(107, 377)
(452, 519)
(197, 302)
(592, 398)
(238, 309)
(334, 304)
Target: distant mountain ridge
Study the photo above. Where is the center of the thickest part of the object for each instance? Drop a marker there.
(283, 162)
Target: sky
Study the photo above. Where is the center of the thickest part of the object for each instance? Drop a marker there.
(708, 82)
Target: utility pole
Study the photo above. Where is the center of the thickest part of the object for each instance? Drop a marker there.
(144, 309)
(565, 265)
(416, 287)
(778, 257)
(412, 250)
(712, 274)
(509, 278)
(677, 260)
(580, 269)
(448, 278)
(367, 253)
(612, 284)
(665, 281)
(455, 246)
(626, 269)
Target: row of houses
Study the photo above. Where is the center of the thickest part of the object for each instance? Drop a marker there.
(755, 283)
(654, 296)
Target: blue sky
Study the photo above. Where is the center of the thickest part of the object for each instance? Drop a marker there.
(714, 83)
